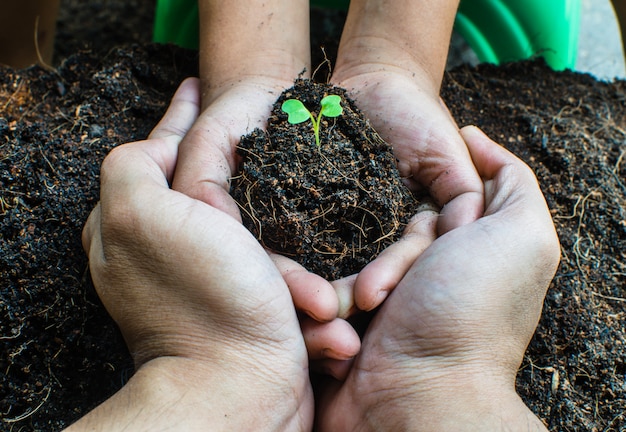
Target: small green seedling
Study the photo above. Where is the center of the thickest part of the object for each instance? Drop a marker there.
(298, 113)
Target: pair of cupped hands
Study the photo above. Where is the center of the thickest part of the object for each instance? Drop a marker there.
(226, 332)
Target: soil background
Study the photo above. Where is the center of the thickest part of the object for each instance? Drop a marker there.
(60, 354)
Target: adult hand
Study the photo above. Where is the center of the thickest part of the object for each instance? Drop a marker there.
(391, 59)
(443, 351)
(205, 312)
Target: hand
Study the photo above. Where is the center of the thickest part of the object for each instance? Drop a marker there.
(432, 156)
(205, 312)
(391, 59)
(207, 161)
(443, 351)
(240, 83)
(408, 113)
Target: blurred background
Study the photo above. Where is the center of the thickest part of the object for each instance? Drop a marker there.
(85, 24)
(600, 49)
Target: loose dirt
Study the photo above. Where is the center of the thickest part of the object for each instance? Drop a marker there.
(62, 355)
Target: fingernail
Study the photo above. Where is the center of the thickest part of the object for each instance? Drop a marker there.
(381, 295)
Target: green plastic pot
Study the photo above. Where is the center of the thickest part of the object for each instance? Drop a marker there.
(497, 30)
(176, 21)
(508, 30)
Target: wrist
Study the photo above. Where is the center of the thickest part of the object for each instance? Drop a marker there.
(185, 394)
(412, 35)
(451, 400)
(359, 62)
(261, 87)
(236, 395)
(240, 40)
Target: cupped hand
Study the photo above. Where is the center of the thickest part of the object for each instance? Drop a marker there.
(191, 288)
(406, 110)
(391, 59)
(443, 350)
(207, 160)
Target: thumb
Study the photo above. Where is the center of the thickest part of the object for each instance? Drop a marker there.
(182, 112)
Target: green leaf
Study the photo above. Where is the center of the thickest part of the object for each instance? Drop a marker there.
(331, 106)
(296, 110)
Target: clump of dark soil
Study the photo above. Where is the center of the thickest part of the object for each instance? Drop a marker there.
(331, 207)
(61, 354)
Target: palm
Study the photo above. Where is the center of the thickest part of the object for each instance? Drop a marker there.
(453, 303)
(426, 141)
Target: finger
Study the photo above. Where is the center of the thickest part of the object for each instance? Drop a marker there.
(91, 228)
(207, 157)
(463, 209)
(175, 124)
(311, 293)
(504, 174)
(182, 112)
(161, 149)
(512, 192)
(381, 276)
(488, 156)
(453, 182)
(508, 180)
(344, 288)
(336, 339)
(206, 163)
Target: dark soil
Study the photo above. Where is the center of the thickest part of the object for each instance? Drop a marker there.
(61, 354)
(331, 208)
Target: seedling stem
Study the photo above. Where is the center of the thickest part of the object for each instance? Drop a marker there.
(298, 113)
